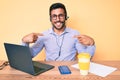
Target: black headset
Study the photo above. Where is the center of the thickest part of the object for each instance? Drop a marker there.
(66, 17)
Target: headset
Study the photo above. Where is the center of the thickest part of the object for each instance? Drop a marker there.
(66, 17)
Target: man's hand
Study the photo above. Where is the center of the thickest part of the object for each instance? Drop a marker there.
(85, 40)
(31, 38)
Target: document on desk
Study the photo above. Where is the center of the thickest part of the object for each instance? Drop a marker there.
(98, 69)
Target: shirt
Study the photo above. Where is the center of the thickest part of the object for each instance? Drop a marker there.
(61, 47)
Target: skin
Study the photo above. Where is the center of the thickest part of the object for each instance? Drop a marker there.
(31, 38)
(58, 27)
(59, 23)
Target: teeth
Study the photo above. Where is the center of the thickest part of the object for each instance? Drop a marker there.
(58, 23)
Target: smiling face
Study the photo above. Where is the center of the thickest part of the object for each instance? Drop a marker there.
(58, 19)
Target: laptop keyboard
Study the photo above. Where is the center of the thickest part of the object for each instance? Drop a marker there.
(41, 67)
(38, 69)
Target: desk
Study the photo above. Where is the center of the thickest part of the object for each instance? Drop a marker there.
(9, 73)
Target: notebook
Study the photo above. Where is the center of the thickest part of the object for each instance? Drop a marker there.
(19, 57)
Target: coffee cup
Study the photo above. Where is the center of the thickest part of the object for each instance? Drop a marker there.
(84, 63)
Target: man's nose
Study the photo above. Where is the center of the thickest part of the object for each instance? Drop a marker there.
(57, 18)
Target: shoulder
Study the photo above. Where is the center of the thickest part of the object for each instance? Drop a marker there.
(46, 32)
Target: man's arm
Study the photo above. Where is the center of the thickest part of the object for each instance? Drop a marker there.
(85, 40)
(85, 44)
(33, 38)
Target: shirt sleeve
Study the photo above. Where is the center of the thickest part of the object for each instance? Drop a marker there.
(25, 44)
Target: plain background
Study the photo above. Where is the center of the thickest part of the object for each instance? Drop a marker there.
(99, 19)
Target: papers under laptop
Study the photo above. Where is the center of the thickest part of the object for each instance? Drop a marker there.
(20, 58)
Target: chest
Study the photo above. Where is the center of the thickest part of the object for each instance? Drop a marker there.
(65, 41)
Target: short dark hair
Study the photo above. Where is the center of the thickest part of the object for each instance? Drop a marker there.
(58, 5)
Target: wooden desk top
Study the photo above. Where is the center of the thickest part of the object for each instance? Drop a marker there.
(9, 73)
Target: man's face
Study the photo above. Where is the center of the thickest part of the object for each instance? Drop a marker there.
(58, 18)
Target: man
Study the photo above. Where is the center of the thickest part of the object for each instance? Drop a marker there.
(60, 43)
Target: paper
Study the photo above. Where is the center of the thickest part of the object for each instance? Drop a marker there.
(98, 69)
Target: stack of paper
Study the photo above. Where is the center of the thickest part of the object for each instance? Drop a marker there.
(98, 69)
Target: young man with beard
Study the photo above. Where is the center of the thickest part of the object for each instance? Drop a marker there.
(60, 43)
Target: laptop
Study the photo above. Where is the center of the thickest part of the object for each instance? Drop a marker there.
(19, 57)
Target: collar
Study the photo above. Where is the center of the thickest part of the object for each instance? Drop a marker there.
(51, 31)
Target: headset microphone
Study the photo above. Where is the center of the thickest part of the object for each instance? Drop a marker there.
(67, 17)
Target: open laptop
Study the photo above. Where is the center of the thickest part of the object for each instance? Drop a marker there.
(20, 58)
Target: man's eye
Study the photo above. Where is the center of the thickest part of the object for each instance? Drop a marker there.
(54, 16)
(61, 15)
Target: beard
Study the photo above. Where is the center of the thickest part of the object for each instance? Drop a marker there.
(59, 25)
